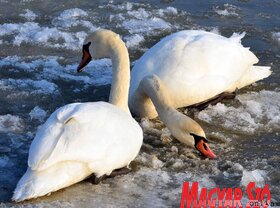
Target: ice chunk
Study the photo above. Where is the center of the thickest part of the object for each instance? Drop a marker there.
(141, 13)
(146, 124)
(276, 36)
(259, 111)
(10, 123)
(257, 176)
(72, 17)
(101, 75)
(38, 113)
(33, 86)
(156, 163)
(227, 10)
(168, 10)
(146, 25)
(33, 33)
(29, 15)
(134, 40)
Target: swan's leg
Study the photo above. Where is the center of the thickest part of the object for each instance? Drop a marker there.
(215, 100)
(96, 180)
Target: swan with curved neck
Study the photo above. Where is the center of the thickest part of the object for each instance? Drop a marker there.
(181, 126)
(81, 139)
(195, 66)
(187, 68)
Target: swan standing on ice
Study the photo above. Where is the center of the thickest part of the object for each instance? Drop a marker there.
(84, 138)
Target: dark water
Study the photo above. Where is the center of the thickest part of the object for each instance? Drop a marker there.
(40, 44)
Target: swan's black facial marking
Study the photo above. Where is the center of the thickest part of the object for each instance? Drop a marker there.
(86, 57)
(86, 47)
(198, 138)
(202, 146)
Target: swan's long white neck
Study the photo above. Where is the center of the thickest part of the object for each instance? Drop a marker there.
(153, 87)
(121, 75)
(179, 124)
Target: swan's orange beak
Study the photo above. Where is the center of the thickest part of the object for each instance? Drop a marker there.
(85, 60)
(204, 149)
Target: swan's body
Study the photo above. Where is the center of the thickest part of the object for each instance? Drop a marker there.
(194, 66)
(80, 139)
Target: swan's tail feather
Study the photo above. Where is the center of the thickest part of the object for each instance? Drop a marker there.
(255, 74)
(27, 187)
(34, 184)
(236, 37)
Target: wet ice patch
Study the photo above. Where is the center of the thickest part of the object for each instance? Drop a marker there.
(29, 15)
(10, 123)
(228, 10)
(257, 176)
(38, 114)
(259, 111)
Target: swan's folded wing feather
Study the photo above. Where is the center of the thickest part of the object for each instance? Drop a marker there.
(63, 127)
(82, 135)
(48, 135)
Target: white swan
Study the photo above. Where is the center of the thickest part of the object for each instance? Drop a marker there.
(195, 66)
(190, 67)
(84, 138)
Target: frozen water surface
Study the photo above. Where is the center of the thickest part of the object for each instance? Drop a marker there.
(40, 49)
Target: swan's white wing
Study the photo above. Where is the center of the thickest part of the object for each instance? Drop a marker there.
(93, 133)
(191, 62)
